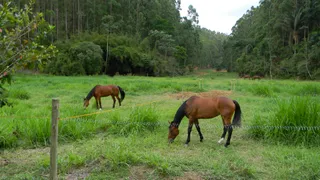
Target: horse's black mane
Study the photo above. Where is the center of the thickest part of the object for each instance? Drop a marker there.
(180, 114)
(90, 94)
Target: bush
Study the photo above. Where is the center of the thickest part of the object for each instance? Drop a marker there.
(80, 59)
(63, 65)
(89, 55)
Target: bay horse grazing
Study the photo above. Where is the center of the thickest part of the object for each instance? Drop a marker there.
(204, 108)
(256, 77)
(102, 91)
(246, 76)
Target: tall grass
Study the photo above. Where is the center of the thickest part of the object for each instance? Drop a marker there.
(308, 90)
(295, 121)
(139, 120)
(262, 90)
(20, 94)
(7, 137)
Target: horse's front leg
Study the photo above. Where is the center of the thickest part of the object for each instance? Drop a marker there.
(196, 122)
(97, 102)
(100, 103)
(189, 131)
(114, 101)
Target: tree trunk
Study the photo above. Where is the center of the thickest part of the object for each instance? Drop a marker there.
(57, 22)
(73, 17)
(79, 18)
(66, 18)
(51, 17)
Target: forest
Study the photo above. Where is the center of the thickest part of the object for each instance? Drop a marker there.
(278, 38)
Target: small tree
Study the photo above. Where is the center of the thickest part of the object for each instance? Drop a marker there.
(89, 55)
(21, 35)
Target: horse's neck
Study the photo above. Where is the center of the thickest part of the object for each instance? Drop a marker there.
(177, 120)
(89, 96)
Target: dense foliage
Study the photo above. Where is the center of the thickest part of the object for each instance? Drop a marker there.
(278, 38)
(136, 36)
(22, 42)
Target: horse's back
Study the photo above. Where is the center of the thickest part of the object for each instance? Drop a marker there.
(106, 90)
(200, 107)
(226, 105)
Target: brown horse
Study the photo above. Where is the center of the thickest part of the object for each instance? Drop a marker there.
(256, 77)
(204, 108)
(102, 91)
(246, 76)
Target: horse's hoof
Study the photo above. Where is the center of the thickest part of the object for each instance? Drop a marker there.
(220, 141)
(226, 145)
(201, 140)
(100, 109)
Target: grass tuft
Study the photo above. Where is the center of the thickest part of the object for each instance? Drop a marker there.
(20, 94)
(139, 120)
(295, 122)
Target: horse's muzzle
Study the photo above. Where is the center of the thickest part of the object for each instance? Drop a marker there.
(170, 140)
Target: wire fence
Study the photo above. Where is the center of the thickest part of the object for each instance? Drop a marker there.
(79, 118)
(75, 116)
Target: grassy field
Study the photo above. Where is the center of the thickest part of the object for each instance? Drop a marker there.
(130, 142)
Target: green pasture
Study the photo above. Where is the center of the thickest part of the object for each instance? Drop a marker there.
(279, 138)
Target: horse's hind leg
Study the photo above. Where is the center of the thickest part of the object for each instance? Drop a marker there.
(227, 127)
(230, 129)
(114, 101)
(117, 96)
(196, 122)
(224, 132)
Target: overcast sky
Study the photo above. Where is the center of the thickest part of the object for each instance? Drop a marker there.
(218, 15)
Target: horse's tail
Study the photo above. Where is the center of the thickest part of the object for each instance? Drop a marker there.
(122, 93)
(181, 112)
(237, 115)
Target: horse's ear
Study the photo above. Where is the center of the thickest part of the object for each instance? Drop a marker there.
(169, 122)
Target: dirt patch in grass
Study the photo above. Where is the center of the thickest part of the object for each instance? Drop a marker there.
(4, 162)
(142, 173)
(77, 175)
(189, 176)
(215, 93)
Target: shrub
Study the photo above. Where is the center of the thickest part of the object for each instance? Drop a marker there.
(82, 58)
(63, 65)
(89, 55)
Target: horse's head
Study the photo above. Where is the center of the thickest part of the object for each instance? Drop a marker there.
(85, 102)
(173, 131)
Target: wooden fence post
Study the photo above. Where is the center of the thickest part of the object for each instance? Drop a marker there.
(54, 140)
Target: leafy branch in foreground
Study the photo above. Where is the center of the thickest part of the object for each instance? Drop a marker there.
(23, 42)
